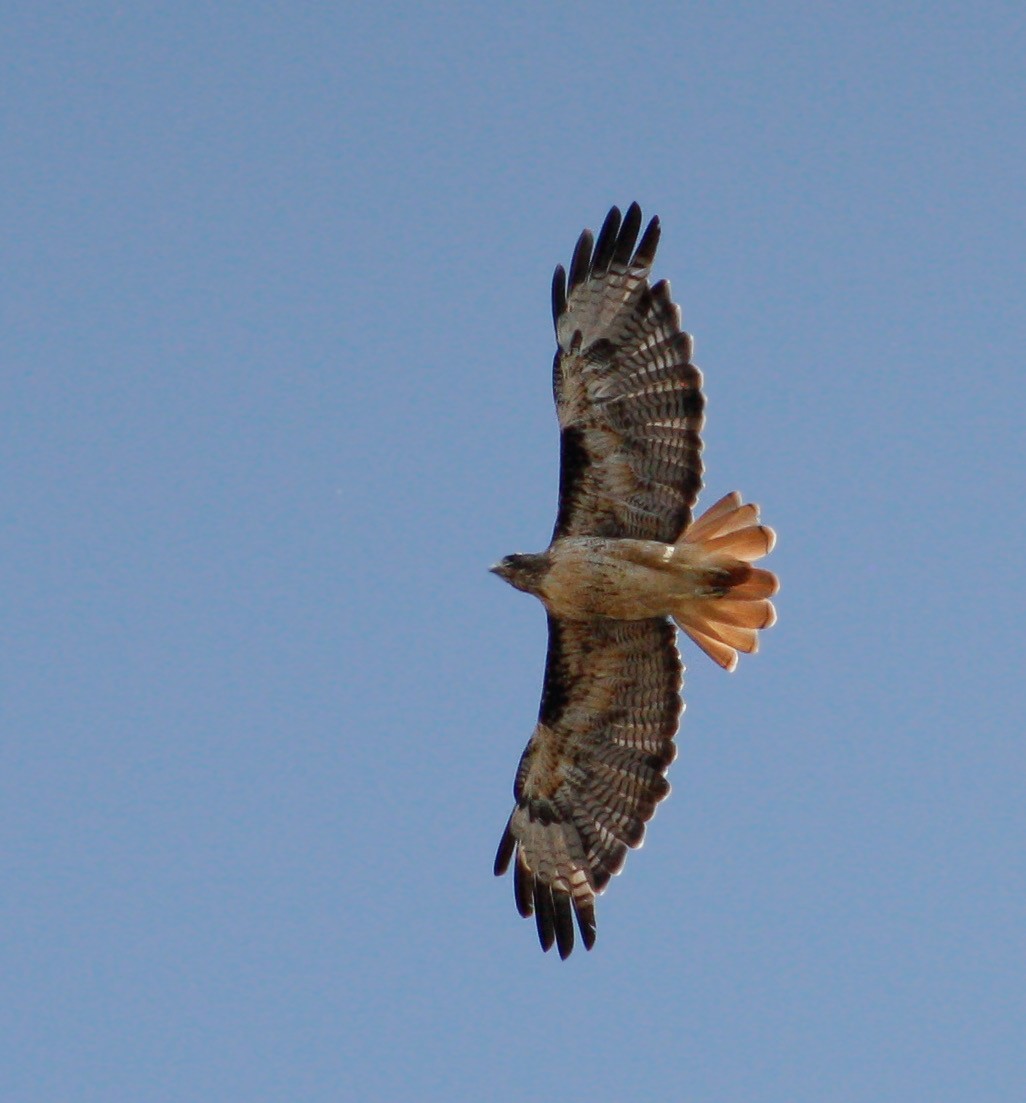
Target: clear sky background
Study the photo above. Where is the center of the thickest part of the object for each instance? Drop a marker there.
(276, 350)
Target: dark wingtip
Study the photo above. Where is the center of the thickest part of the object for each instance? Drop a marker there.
(545, 915)
(564, 923)
(606, 243)
(628, 235)
(646, 250)
(523, 890)
(581, 261)
(558, 294)
(586, 924)
(507, 844)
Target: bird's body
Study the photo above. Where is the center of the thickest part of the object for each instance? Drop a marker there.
(624, 564)
(584, 577)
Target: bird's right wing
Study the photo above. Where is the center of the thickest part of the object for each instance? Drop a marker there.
(594, 769)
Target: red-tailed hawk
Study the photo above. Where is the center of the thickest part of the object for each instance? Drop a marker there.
(624, 565)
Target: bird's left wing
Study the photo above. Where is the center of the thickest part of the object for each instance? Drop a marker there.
(628, 397)
(594, 769)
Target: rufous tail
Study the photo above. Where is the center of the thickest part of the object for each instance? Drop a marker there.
(730, 602)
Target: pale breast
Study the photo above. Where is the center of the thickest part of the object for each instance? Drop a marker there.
(590, 576)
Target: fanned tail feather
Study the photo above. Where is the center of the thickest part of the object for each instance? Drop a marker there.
(731, 601)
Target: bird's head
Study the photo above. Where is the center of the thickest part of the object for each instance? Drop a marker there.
(522, 571)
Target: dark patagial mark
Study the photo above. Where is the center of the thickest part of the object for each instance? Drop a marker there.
(574, 461)
(557, 684)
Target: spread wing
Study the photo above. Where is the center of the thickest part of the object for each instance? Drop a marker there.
(628, 398)
(594, 769)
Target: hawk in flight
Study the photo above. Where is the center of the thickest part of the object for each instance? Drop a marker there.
(626, 563)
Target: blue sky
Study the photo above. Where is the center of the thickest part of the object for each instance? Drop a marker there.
(276, 351)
